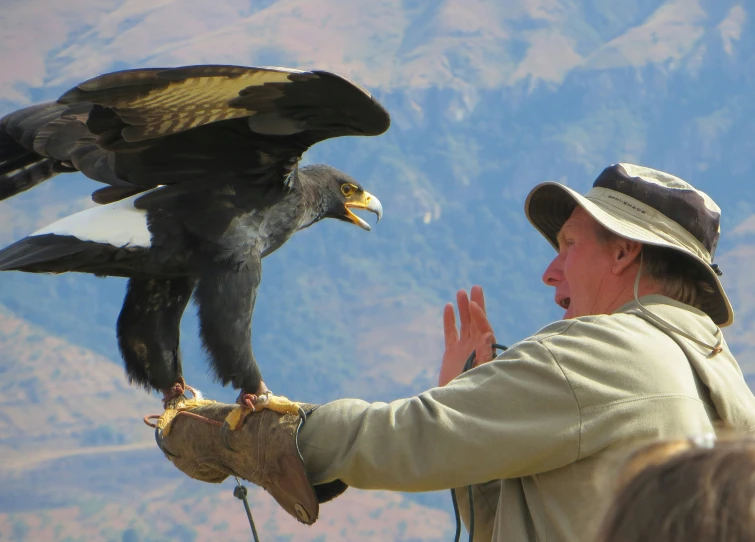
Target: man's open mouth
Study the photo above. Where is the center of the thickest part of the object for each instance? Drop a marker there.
(564, 302)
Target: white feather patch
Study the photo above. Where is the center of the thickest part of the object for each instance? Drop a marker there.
(118, 224)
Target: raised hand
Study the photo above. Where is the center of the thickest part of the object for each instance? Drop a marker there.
(475, 334)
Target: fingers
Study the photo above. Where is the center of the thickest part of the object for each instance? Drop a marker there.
(482, 328)
(472, 321)
(479, 319)
(478, 297)
(449, 325)
(474, 332)
(462, 301)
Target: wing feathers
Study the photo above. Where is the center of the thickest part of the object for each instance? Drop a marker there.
(23, 124)
(119, 224)
(63, 254)
(20, 167)
(137, 129)
(25, 173)
(154, 103)
(29, 253)
(60, 136)
(159, 102)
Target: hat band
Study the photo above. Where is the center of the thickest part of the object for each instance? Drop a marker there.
(623, 208)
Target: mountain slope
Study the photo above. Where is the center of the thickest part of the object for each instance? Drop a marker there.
(487, 99)
(79, 462)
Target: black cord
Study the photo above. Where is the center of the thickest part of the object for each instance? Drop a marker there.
(457, 517)
(467, 366)
(240, 493)
(470, 360)
(471, 513)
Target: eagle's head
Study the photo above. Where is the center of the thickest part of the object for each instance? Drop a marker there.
(339, 193)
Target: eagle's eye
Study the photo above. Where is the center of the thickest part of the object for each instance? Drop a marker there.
(347, 189)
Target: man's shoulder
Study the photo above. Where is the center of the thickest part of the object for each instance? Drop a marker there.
(605, 340)
(593, 326)
(628, 319)
(612, 358)
(588, 339)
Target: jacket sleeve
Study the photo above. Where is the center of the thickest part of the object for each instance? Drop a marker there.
(512, 417)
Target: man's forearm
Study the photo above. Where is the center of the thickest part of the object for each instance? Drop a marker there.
(486, 424)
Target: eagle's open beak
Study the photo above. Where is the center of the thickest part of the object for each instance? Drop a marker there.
(368, 202)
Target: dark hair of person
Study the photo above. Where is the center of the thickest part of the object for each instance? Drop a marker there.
(686, 493)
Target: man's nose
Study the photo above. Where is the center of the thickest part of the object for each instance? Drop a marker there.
(554, 273)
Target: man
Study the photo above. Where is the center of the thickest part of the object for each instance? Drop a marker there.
(639, 355)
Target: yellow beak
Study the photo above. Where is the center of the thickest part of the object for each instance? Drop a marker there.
(368, 202)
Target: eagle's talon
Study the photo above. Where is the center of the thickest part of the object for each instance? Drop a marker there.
(160, 444)
(175, 394)
(247, 400)
(261, 397)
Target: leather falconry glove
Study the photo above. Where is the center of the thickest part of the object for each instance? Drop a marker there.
(267, 454)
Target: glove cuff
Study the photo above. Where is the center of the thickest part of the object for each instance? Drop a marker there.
(329, 490)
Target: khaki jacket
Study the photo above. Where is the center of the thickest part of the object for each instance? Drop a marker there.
(536, 429)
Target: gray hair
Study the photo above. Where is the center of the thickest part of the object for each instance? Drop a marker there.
(673, 271)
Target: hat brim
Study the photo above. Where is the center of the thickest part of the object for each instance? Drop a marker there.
(550, 204)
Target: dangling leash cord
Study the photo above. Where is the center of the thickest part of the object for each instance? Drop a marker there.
(467, 366)
(239, 491)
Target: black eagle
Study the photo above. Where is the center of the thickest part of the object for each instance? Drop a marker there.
(201, 164)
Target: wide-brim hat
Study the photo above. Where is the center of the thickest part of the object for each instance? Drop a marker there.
(645, 205)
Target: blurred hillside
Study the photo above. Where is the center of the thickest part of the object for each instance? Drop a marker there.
(487, 99)
(79, 464)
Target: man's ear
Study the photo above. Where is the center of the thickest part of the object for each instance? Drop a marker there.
(625, 252)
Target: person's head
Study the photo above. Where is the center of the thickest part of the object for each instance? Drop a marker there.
(680, 491)
(633, 217)
(593, 272)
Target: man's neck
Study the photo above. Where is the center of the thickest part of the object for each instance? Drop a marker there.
(625, 291)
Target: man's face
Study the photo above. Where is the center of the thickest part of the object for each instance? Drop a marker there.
(581, 273)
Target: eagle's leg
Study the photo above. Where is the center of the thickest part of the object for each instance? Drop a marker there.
(225, 296)
(148, 333)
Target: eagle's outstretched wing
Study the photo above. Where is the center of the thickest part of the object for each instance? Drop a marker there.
(138, 129)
